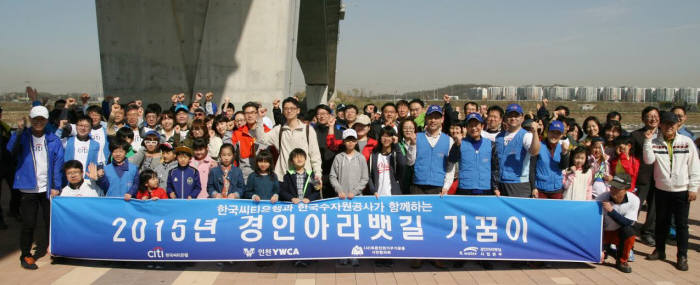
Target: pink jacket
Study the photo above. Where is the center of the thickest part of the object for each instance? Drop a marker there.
(578, 185)
(203, 166)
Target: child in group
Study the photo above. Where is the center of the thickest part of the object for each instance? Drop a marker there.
(150, 150)
(203, 163)
(163, 165)
(149, 187)
(183, 180)
(623, 161)
(599, 166)
(120, 176)
(263, 184)
(349, 174)
(384, 164)
(578, 179)
(127, 134)
(225, 180)
(77, 185)
(299, 184)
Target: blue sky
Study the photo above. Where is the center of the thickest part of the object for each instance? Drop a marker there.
(388, 46)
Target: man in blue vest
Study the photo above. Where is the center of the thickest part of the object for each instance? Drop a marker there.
(81, 146)
(478, 166)
(428, 151)
(552, 160)
(514, 147)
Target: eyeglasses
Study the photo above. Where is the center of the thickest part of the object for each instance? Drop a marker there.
(150, 142)
(74, 172)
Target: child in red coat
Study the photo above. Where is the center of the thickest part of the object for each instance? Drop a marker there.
(624, 162)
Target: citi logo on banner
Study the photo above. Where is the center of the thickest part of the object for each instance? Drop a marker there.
(156, 252)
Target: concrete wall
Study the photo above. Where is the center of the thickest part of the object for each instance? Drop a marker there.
(152, 49)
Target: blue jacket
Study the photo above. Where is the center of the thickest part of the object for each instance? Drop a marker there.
(116, 186)
(93, 151)
(21, 148)
(513, 159)
(215, 182)
(184, 182)
(265, 186)
(431, 162)
(478, 168)
(548, 171)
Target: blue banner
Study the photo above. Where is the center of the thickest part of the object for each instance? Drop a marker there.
(429, 227)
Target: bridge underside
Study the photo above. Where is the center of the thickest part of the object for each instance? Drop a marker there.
(241, 49)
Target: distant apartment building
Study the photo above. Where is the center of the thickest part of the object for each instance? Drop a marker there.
(477, 93)
(634, 94)
(688, 95)
(587, 94)
(650, 95)
(665, 94)
(611, 94)
(530, 93)
(501, 93)
(556, 93)
(495, 93)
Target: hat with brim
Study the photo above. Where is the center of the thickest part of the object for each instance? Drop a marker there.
(39, 111)
(349, 134)
(184, 150)
(621, 181)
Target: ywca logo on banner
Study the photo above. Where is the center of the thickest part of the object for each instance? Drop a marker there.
(249, 252)
(156, 252)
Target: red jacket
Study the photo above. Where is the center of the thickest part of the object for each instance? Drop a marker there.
(333, 144)
(158, 192)
(629, 164)
(244, 140)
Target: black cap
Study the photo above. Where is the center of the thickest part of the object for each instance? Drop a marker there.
(669, 117)
(340, 107)
(621, 181)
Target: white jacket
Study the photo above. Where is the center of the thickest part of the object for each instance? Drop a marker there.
(685, 174)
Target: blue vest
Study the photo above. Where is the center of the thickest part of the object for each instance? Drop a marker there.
(548, 176)
(118, 186)
(513, 159)
(431, 161)
(475, 165)
(93, 151)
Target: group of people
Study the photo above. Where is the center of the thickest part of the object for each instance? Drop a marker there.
(202, 150)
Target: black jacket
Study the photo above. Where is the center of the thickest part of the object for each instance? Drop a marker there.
(288, 188)
(397, 161)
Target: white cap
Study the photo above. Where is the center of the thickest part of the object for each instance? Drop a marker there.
(349, 133)
(39, 111)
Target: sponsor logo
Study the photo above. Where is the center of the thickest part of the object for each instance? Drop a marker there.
(160, 253)
(483, 251)
(270, 252)
(357, 251)
(156, 252)
(249, 252)
(469, 251)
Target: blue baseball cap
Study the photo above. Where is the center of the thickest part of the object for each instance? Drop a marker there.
(181, 107)
(433, 108)
(514, 108)
(474, 116)
(556, 126)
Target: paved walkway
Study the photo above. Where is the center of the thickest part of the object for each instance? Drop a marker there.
(327, 272)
